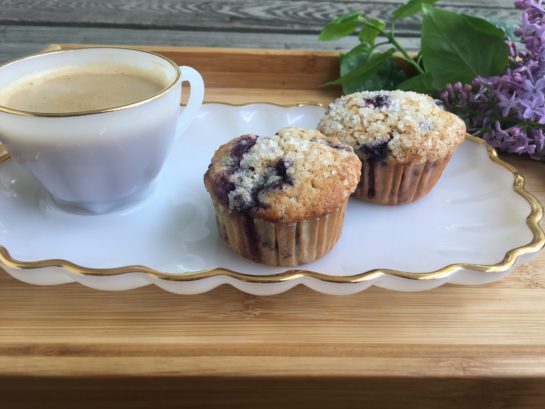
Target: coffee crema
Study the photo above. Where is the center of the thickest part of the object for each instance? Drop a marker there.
(80, 89)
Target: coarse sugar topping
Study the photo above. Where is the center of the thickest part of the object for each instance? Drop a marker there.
(413, 126)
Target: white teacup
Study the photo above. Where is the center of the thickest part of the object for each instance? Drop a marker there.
(103, 159)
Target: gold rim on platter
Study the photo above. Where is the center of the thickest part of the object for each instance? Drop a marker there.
(508, 261)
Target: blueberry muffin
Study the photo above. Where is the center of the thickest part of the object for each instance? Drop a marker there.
(280, 199)
(403, 139)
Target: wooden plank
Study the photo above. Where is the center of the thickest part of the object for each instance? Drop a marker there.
(503, 324)
(281, 16)
(26, 26)
(272, 393)
(18, 41)
(369, 366)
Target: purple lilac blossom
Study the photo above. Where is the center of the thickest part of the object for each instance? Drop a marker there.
(508, 110)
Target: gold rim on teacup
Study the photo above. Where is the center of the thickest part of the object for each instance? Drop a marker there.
(96, 111)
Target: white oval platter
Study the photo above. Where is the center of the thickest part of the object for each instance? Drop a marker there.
(476, 225)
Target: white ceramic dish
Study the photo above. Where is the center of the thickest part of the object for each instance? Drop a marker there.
(473, 228)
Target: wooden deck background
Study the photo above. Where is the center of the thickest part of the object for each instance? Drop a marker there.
(27, 26)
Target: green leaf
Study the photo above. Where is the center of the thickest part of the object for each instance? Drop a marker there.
(419, 83)
(411, 8)
(507, 27)
(365, 71)
(386, 77)
(342, 26)
(369, 34)
(484, 26)
(356, 57)
(457, 47)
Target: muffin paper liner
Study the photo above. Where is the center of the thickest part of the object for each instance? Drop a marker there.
(393, 183)
(279, 244)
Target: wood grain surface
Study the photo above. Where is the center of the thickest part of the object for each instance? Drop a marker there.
(26, 26)
(226, 15)
(451, 347)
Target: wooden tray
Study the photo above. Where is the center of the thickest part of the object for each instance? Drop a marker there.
(461, 347)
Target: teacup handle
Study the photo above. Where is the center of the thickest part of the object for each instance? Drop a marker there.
(195, 97)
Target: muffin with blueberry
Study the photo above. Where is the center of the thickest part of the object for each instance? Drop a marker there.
(280, 199)
(404, 140)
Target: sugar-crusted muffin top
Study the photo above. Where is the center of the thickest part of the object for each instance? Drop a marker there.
(411, 127)
(288, 177)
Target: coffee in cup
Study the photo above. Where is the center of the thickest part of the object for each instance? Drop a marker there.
(79, 89)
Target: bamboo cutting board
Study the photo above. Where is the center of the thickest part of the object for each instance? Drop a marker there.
(455, 346)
